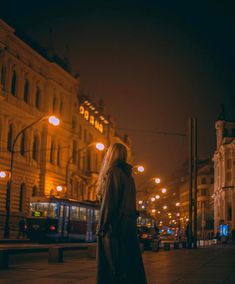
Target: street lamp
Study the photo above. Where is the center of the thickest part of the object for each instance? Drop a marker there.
(52, 120)
(157, 196)
(3, 175)
(99, 146)
(140, 169)
(164, 190)
(59, 188)
(157, 180)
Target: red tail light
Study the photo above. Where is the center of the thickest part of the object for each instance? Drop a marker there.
(52, 228)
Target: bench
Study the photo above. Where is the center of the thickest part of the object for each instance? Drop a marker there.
(55, 252)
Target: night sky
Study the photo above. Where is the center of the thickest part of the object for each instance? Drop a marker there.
(154, 63)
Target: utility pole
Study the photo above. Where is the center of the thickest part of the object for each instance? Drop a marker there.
(195, 180)
(189, 228)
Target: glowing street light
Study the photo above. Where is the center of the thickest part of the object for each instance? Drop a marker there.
(157, 196)
(3, 174)
(177, 204)
(164, 190)
(153, 210)
(152, 199)
(158, 212)
(54, 120)
(157, 180)
(99, 146)
(164, 207)
(140, 202)
(59, 188)
(140, 169)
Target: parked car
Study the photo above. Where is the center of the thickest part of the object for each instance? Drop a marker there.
(149, 237)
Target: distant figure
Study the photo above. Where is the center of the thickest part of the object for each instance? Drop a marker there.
(22, 229)
(119, 259)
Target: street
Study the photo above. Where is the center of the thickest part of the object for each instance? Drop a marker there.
(214, 264)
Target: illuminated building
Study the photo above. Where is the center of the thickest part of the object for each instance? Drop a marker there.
(205, 181)
(224, 167)
(48, 161)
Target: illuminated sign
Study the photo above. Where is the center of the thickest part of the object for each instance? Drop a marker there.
(37, 214)
(91, 119)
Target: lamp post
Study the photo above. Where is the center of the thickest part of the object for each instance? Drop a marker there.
(99, 146)
(52, 120)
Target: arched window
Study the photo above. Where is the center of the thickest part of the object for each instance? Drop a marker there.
(35, 148)
(52, 152)
(22, 144)
(38, 98)
(58, 156)
(10, 137)
(26, 90)
(13, 83)
(22, 197)
(34, 191)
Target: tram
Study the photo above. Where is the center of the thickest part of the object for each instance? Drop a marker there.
(145, 220)
(54, 219)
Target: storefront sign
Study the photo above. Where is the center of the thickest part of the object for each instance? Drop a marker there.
(91, 119)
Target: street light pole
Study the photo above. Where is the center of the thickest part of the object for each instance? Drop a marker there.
(189, 229)
(99, 146)
(195, 179)
(9, 184)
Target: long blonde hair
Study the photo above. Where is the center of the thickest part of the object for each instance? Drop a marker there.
(116, 152)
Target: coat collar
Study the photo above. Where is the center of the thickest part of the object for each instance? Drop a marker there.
(127, 168)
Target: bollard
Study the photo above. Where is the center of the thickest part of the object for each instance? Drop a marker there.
(92, 251)
(4, 259)
(55, 255)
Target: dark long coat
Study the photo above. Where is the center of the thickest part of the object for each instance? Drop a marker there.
(119, 258)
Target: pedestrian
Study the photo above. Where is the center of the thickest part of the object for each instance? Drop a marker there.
(22, 228)
(119, 259)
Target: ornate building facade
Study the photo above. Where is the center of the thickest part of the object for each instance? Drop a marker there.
(205, 206)
(48, 161)
(224, 167)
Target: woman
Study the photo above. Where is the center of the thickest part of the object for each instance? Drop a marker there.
(118, 254)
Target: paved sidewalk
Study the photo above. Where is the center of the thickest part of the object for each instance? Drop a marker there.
(206, 265)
